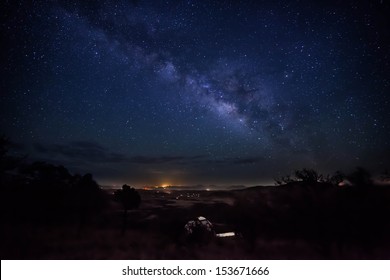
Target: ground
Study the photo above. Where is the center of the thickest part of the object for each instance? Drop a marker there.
(156, 231)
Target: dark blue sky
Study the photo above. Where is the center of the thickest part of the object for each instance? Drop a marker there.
(197, 92)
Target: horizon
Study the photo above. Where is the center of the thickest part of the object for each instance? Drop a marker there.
(170, 186)
(180, 187)
(211, 187)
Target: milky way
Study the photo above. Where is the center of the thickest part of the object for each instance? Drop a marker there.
(197, 92)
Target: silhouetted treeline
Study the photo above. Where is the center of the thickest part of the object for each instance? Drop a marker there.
(43, 192)
(311, 176)
(351, 211)
(48, 193)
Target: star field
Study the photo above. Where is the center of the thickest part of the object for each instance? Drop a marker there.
(197, 92)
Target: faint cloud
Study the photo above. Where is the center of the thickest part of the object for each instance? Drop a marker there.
(79, 150)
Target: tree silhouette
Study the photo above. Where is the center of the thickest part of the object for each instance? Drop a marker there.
(130, 199)
(308, 175)
(89, 197)
(4, 144)
(55, 195)
(45, 190)
(385, 176)
(303, 175)
(284, 180)
(360, 178)
(7, 162)
(336, 178)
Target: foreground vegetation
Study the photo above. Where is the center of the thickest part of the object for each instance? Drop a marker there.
(47, 213)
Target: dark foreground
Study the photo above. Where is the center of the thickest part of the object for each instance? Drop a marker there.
(295, 221)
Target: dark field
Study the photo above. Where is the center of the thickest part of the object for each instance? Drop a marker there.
(294, 221)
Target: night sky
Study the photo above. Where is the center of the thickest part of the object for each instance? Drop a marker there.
(197, 92)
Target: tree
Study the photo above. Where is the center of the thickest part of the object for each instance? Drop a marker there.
(7, 162)
(130, 199)
(284, 180)
(311, 176)
(336, 178)
(308, 175)
(4, 144)
(90, 197)
(385, 176)
(303, 175)
(360, 178)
